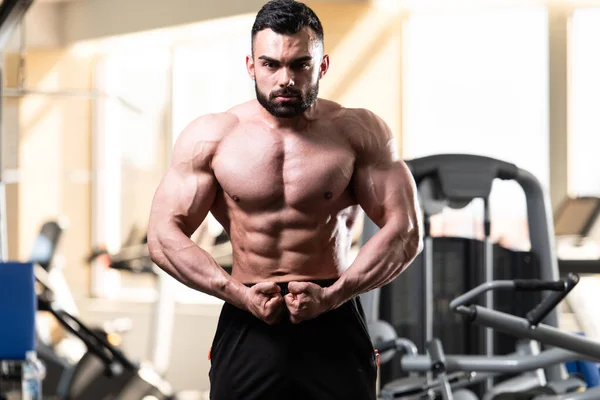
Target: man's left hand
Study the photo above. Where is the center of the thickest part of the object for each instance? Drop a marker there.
(306, 300)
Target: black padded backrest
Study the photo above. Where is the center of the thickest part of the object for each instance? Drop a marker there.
(461, 177)
(46, 243)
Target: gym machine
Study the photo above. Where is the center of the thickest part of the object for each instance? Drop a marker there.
(455, 180)
(103, 371)
(100, 371)
(134, 257)
(453, 373)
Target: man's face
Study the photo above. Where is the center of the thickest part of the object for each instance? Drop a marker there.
(286, 71)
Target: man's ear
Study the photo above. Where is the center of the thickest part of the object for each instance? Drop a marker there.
(324, 66)
(250, 66)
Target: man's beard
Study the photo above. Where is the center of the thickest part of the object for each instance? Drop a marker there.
(290, 108)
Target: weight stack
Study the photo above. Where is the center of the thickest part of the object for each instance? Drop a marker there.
(457, 267)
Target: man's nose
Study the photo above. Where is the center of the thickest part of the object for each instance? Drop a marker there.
(286, 78)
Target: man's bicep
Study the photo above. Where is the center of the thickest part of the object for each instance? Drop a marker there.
(382, 182)
(187, 191)
(386, 192)
(184, 198)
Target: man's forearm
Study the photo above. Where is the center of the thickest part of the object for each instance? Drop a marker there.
(378, 262)
(181, 258)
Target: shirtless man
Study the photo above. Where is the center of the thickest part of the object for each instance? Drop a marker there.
(286, 175)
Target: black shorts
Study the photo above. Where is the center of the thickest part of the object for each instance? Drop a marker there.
(329, 357)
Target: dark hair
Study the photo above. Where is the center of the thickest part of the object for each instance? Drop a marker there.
(286, 17)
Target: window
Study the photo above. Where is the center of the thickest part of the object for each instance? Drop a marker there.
(475, 81)
(131, 150)
(210, 77)
(584, 119)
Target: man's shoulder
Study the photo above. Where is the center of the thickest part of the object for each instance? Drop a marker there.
(362, 127)
(213, 126)
(200, 139)
(353, 117)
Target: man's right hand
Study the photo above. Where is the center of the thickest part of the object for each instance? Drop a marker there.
(265, 301)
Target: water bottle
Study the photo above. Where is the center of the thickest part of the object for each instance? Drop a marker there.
(33, 372)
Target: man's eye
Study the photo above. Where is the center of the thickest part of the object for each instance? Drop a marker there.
(303, 65)
(269, 65)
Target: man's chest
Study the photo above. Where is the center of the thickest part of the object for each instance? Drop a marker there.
(298, 171)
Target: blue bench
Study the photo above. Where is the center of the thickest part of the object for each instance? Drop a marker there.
(18, 306)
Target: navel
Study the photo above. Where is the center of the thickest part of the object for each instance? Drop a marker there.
(328, 195)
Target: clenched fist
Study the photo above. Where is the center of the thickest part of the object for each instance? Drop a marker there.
(305, 301)
(265, 301)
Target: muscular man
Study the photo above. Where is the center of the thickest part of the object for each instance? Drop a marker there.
(286, 175)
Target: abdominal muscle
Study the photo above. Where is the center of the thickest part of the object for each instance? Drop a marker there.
(300, 251)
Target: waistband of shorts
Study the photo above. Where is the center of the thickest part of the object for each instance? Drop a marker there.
(284, 285)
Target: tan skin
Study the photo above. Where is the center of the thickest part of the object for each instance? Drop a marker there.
(287, 192)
